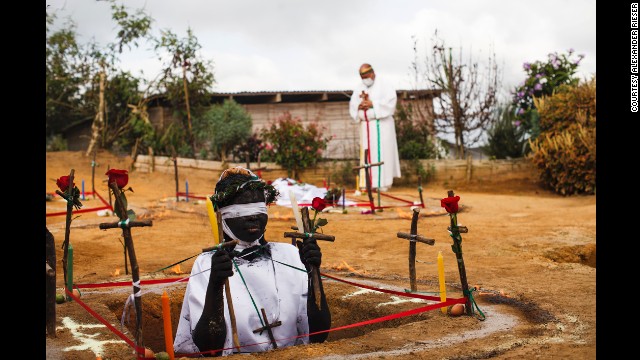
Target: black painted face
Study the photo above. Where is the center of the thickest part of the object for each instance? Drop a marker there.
(248, 228)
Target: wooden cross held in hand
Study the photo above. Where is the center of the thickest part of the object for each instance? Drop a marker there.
(268, 327)
(367, 177)
(227, 288)
(413, 237)
(126, 226)
(315, 273)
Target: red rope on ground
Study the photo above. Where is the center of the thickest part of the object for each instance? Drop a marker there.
(106, 206)
(366, 322)
(102, 320)
(448, 302)
(128, 283)
(184, 194)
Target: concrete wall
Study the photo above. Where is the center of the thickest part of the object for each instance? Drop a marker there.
(443, 171)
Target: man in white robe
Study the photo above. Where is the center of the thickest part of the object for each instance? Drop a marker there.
(262, 275)
(372, 105)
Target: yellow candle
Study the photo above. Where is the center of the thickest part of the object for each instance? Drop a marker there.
(296, 211)
(166, 317)
(213, 221)
(443, 288)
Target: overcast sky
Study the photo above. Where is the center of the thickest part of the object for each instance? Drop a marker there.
(290, 45)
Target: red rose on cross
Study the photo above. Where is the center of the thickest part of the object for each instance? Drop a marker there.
(121, 177)
(63, 183)
(450, 204)
(318, 204)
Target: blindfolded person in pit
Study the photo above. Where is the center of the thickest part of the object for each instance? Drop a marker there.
(273, 277)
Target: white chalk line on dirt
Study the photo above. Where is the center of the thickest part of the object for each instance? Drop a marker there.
(87, 341)
(495, 322)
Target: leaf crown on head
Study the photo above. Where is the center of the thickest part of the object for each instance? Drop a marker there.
(238, 179)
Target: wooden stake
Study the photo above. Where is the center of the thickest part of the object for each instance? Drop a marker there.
(227, 288)
(420, 191)
(93, 173)
(67, 230)
(413, 237)
(126, 225)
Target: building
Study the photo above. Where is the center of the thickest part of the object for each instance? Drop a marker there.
(329, 108)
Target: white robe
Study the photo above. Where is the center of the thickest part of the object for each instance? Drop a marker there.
(381, 134)
(279, 289)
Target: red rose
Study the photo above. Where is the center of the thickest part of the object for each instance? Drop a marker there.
(119, 176)
(318, 204)
(450, 204)
(63, 183)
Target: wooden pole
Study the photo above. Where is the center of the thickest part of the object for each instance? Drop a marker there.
(93, 174)
(110, 201)
(135, 271)
(50, 284)
(420, 191)
(227, 289)
(457, 249)
(175, 171)
(67, 229)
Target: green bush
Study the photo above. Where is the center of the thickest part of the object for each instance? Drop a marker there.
(222, 127)
(251, 148)
(56, 143)
(292, 145)
(505, 136)
(565, 151)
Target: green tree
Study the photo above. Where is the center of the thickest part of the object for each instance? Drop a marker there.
(414, 137)
(292, 145)
(78, 77)
(63, 78)
(221, 127)
(186, 79)
(542, 79)
(505, 137)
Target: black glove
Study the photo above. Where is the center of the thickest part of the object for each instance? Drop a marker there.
(310, 253)
(221, 266)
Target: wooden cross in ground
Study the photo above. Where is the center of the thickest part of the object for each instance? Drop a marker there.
(457, 249)
(367, 177)
(268, 327)
(125, 224)
(315, 273)
(413, 237)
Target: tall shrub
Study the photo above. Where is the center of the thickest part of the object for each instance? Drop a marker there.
(222, 127)
(292, 145)
(505, 137)
(565, 151)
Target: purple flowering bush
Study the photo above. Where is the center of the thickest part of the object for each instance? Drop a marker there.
(541, 80)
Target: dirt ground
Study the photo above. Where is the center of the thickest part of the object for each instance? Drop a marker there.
(531, 255)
